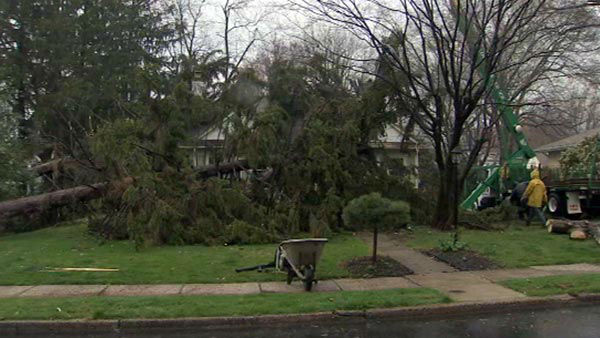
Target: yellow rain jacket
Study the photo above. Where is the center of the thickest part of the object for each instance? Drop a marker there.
(536, 191)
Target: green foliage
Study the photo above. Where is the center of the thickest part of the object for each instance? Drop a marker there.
(489, 218)
(421, 201)
(452, 244)
(165, 209)
(576, 162)
(240, 232)
(373, 211)
(74, 65)
(309, 134)
(117, 145)
(15, 180)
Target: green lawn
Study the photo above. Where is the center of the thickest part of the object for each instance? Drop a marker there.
(25, 259)
(555, 285)
(518, 246)
(208, 306)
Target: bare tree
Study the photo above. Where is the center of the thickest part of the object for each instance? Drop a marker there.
(188, 16)
(240, 20)
(449, 56)
(548, 72)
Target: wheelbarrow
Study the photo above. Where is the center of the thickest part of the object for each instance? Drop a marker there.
(297, 258)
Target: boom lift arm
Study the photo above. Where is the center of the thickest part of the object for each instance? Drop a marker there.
(524, 152)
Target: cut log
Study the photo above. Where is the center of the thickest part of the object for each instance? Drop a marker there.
(575, 228)
(559, 226)
(563, 226)
(578, 233)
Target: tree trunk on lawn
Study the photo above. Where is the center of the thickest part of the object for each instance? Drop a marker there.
(35, 204)
(374, 258)
(32, 205)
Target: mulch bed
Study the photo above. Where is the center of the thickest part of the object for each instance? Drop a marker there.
(385, 267)
(463, 260)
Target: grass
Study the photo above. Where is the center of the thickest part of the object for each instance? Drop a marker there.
(515, 247)
(209, 306)
(555, 285)
(25, 259)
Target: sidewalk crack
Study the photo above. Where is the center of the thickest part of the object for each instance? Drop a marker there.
(101, 293)
(22, 292)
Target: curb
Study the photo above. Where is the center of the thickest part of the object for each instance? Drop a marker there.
(15, 328)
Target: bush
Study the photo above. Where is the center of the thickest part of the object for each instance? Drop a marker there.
(372, 210)
(240, 232)
(421, 201)
(575, 162)
(487, 218)
(375, 212)
(453, 244)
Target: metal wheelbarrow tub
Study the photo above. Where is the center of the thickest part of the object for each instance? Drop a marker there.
(296, 257)
(299, 258)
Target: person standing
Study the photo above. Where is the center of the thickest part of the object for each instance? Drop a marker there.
(516, 199)
(536, 197)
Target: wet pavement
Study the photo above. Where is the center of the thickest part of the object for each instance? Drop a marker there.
(573, 322)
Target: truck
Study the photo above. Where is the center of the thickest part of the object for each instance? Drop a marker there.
(566, 197)
(579, 192)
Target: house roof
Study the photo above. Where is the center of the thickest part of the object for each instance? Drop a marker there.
(568, 141)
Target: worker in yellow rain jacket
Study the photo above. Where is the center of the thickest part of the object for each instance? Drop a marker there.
(536, 197)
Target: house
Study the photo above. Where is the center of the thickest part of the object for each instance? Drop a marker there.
(208, 140)
(549, 154)
(389, 146)
(205, 144)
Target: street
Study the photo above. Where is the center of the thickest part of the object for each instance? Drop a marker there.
(571, 322)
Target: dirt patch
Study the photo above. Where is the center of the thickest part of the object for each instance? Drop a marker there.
(463, 260)
(385, 267)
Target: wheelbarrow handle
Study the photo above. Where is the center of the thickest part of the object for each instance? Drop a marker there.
(256, 267)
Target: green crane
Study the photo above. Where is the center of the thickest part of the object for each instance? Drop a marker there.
(524, 152)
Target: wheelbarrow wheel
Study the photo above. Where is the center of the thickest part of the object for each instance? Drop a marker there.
(290, 276)
(309, 278)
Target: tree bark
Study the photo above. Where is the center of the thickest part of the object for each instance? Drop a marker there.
(559, 226)
(575, 228)
(445, 208)
(34, 204)
(374, 258)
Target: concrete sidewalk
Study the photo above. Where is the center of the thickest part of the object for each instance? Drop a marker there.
(412, 259)
(474, 286)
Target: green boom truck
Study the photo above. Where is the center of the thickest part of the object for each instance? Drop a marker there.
(574, 195)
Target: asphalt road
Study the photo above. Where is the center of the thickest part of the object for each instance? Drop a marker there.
(574, 322)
